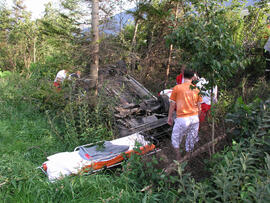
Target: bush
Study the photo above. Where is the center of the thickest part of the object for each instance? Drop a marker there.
(245, 117)
(4, 73)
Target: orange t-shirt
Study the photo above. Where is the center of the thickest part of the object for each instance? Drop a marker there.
(186, 99)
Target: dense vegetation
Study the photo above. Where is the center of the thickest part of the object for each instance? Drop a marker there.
(35, 121)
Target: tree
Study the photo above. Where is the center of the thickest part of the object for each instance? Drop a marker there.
(95, 42)
(138, 16)
(60, 36)
(19, 33)
(152, 22)
(5, 27)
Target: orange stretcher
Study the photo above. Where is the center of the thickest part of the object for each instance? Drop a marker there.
(91, 158)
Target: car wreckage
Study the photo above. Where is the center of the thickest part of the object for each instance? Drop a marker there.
(137, 108)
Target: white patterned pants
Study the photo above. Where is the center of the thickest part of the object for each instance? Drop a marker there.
(188, 126)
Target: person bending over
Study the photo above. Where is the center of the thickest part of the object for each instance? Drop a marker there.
(59, 79)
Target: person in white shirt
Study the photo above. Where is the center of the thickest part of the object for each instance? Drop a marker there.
(60, 77)
(206, 95)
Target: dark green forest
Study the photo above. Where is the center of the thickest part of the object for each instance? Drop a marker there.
(221, 40)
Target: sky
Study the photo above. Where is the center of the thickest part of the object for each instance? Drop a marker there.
(36, 7)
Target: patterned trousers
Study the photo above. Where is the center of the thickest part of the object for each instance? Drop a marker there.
(185, 126)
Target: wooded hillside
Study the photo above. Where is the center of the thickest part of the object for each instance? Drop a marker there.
(222, 41)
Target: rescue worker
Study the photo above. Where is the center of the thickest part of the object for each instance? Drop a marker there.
(188, 103)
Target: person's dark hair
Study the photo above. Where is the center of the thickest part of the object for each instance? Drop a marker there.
(188, 74)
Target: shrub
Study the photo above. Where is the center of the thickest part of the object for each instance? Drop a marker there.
(4, 73)
(245, 117)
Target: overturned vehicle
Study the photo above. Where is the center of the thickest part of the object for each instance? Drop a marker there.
(136, 109)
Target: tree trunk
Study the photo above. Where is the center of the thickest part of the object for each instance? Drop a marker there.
(171, 50)
(34, 50)
(135, 35)
(95, 43)
(168, 66)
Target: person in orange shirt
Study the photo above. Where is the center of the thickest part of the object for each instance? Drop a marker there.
(188, 101)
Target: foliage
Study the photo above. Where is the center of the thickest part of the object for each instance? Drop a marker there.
(71, 116)
(255, 22)
(24, 41)
(4, 73)
(240, 164)
(79, 123)
(244, 117)
(48, 69)
(214, 37)
(35, 91)
(142, 173)
(208, 45)
(250, 31)
(258, 89)
(16, 36)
